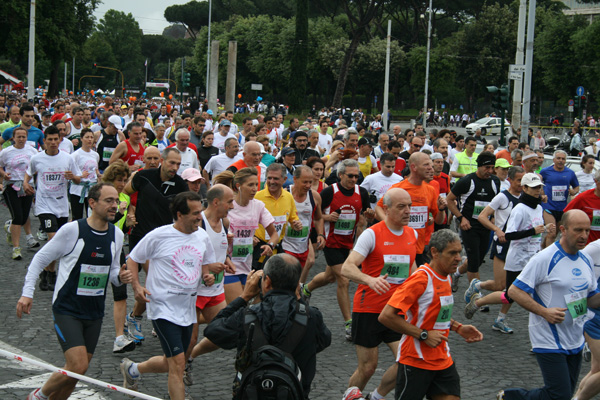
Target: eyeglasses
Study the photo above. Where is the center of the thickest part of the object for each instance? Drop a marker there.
(352, 176)
(417, 146)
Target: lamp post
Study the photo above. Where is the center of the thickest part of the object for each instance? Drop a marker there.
(429, 10)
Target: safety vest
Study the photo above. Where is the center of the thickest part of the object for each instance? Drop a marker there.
(466, 166)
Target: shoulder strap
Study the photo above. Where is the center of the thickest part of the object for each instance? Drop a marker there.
(297, 331)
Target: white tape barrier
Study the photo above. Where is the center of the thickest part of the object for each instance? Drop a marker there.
(70, 374)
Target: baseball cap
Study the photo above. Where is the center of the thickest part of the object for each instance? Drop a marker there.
(224, 122)
(116, 121)
(210, 112)
(262, 148)
(191, 174)
(485, 159)
(46, 114)
(124, 106)
(437, 156)
(287, 151)
(531, 180)
(502, 163)
(364, 141)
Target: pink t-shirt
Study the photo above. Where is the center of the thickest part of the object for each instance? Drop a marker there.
(243, 222)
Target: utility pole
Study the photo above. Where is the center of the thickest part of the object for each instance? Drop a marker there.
(31, 63)
(386, 84)
(518, 88)
(528, 70)
(430, 10)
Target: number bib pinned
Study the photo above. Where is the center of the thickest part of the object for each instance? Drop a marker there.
(345, 224)
(92, 280)
(577, 305)
(444, 317)
(397, 266)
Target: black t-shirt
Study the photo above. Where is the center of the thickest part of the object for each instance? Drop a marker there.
(154, 198)
(473, 194)
(303, 155)
(405, 154)
(206, 153)
(327, 196)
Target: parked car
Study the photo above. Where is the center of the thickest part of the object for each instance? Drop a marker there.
(489, 126)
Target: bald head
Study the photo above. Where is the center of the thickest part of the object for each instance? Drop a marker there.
(417, 158)
(218, 191)
(394, 196)
(574, 217)
(252, 154)
(151, 157)
(152, 151)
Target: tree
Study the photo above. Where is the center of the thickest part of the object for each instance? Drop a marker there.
(297, 78)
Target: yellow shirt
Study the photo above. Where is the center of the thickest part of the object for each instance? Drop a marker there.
(282, 209)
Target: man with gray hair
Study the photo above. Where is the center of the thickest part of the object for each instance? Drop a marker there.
(351, 139)
(189, 158)
(530, 161)
(423, 313)
(387, 256)
(345, 207)
(517, 157)
(560, 183)
(277, 283)
(383, 141)
(220, 163)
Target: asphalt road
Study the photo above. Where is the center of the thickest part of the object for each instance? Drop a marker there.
(499, 361)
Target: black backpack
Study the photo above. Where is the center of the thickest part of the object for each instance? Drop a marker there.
(269, 372)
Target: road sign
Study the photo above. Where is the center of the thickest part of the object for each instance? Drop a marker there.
(256, 86)
(571, 108)
(571, 102)
(516, 68)
(580, 91)
(515, 76)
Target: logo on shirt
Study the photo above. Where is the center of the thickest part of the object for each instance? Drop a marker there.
(576, 271)
(186, 264)
(97, 255)
(388, 243)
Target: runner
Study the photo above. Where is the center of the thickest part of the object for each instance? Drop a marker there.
(220, 163)
(107, 140)
(14, 161)
(560, 182)
(588, 202)
(386, 253)
(180, 255)
(189, 158)
(308, 208)
(465, 162)
(35, 137)
(378, 183)
(524, 230)
(89, 251)
(53, 169)
(87, 161)
(422, 311)
(561, 278)
(131, 150)
(346, 208)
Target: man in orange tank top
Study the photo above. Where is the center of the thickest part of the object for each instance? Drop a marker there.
(421, 309)
(387, 252)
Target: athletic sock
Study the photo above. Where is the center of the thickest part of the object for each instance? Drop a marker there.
(41, 395)
(349, 322)
(133, 371)
(478, 285)
(457, 274)
(500, 317)
(375, 395)
(29, 236)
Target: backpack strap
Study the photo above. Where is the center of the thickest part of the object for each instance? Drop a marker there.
(297, 331)
(259, 339)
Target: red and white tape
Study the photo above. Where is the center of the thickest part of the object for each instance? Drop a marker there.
(17, 357)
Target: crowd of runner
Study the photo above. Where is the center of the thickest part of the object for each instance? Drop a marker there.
(200, 204)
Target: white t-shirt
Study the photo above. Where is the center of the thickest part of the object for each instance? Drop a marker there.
(502, 207)
(189, 159)
(175, 271)
(86, 161)
(504, 184)
(219, 141)
(586, 181)
(325, 142)
(219, 242)
(15, 161)
(451, 153)
(220, 163)
(378, 184)
(522, 218)
(51, 191)
(556, 279)
(66, 145)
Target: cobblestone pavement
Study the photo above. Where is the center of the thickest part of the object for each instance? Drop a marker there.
(499, 361)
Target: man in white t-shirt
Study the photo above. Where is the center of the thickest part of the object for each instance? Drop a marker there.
(54, 168)
(325, 139)
(222, 135)
(557, 286)
(379, 183)
(181, 255)
(220, 163)
(189, 158)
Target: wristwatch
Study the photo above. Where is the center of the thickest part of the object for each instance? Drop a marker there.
(271, 245)
(424, 335)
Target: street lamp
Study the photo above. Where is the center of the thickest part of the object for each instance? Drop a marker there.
(429, 10)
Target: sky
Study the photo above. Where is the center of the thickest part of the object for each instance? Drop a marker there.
(148, 13)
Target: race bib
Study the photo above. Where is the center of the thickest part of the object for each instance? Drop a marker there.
(478, 208)
(293, 234)
(444, 317)
(535, 243)
(596, 220)
(559, 193)
(278, 224)
(242, 248)
(53, 183)
(92, 280)
(107, 153)
(577, 305)
(418, 217)
(345, 224)
(397, 266)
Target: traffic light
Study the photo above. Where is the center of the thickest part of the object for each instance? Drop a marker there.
(95, 65)
(583, 102)
(500, 96)
(577, 102)
(186, 79)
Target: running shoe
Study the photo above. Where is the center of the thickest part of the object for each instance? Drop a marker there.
(134, 327)
(9, 238)
(455, 279)
(129, 382)
(500, 395)
(122, 344)
(304, 293)
(188, 379)
(471, 308)
(7, 225)
(44, 280)
(587, 354)
(348, 330)
(502, 327)
(353, 393)
(32, 243)
(484, 309)
(35, 394)
(154, 333)
(41, 235)
(16, 253)
(471, 290)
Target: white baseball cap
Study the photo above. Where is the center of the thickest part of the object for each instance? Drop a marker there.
(531, 180)
(116, 121)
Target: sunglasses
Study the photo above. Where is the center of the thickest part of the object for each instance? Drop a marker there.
(352, 176)
(417, 146)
